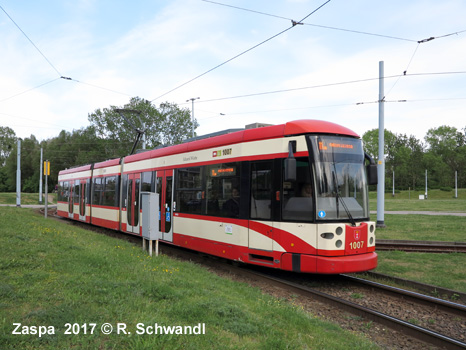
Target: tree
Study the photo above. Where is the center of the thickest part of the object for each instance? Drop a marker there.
(371, 143)
(30, 166)
(445, 144)
(7, 141)
(165, 125)
(407, 161)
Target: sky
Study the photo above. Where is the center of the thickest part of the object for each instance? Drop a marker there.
(63, 59)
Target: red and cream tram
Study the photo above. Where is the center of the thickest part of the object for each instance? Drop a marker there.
(291, 196)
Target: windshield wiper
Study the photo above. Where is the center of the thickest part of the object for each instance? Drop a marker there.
(337, 194)
(339, 198)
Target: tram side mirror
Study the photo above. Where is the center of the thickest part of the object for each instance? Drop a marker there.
(290, 163)
(372, 174)
(371, 170)
(290, 169)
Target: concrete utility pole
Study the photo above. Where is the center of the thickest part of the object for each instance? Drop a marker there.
(393, 190)
(381, 163)
(40, 181)
(18, 176)
(426, 184)
(46, 173)
(192, 110)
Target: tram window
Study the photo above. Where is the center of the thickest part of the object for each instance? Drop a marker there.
(66, 191)
(124, 193)
(261, 190)
(297, 201)
(146, 181)
(61, 197)
(223, 189)
(76, 192)
(109, 193)
(97, 191)
(189, 194)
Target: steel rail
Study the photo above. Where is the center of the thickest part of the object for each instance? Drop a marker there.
(407, 328)
(440, 304)
(425, 288)
(421, 246)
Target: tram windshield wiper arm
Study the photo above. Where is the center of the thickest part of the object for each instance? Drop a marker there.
(338, 198)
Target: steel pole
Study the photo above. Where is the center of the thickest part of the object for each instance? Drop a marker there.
(381, 160)
(192, 112)
(18, 176)
(40, 181)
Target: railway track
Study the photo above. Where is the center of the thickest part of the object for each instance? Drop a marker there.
(304, 285)
(455, 312)
(428, 289)
(449, 318)
(421, 246)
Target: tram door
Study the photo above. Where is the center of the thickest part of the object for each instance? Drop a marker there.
(165, 191)
(70, 200)
(133, 198)
(82, 200)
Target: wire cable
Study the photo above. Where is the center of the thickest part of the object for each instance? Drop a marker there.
(309, 24)
(32, 43)
(26, 91)
(326, 85)
(96, 86)
(405, 71)
(242, 53)
(294, 89)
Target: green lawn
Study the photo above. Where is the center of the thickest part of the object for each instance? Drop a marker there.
(53, 273)
(437, 201)
(443, 270)
(422, 227)
(26, 198)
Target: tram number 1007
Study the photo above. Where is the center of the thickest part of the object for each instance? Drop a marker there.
(356, 245)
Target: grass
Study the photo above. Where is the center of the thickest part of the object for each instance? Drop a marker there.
(409, 200)
(53, 273)
(26, 198)
(442, 270)
(423, 228)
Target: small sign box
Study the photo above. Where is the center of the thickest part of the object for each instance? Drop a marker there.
(421, 197)
(47, 168)
(150, 215)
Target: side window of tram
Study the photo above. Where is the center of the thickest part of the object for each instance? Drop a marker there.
(110, 190)
(223, 190)
(297, 195)
(146, 183)
(189, 195)
(261, 190)
(97, 191)
(61, 192)
(76, 192)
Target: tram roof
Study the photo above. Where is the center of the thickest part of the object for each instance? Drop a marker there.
(297, 127)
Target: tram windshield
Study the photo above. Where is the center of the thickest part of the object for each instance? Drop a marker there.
(340, 178)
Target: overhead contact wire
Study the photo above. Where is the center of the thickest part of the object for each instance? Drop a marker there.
(32, 43)
(242, 53)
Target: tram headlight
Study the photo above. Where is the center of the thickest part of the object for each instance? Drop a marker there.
(327, 235)
(339, 243)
